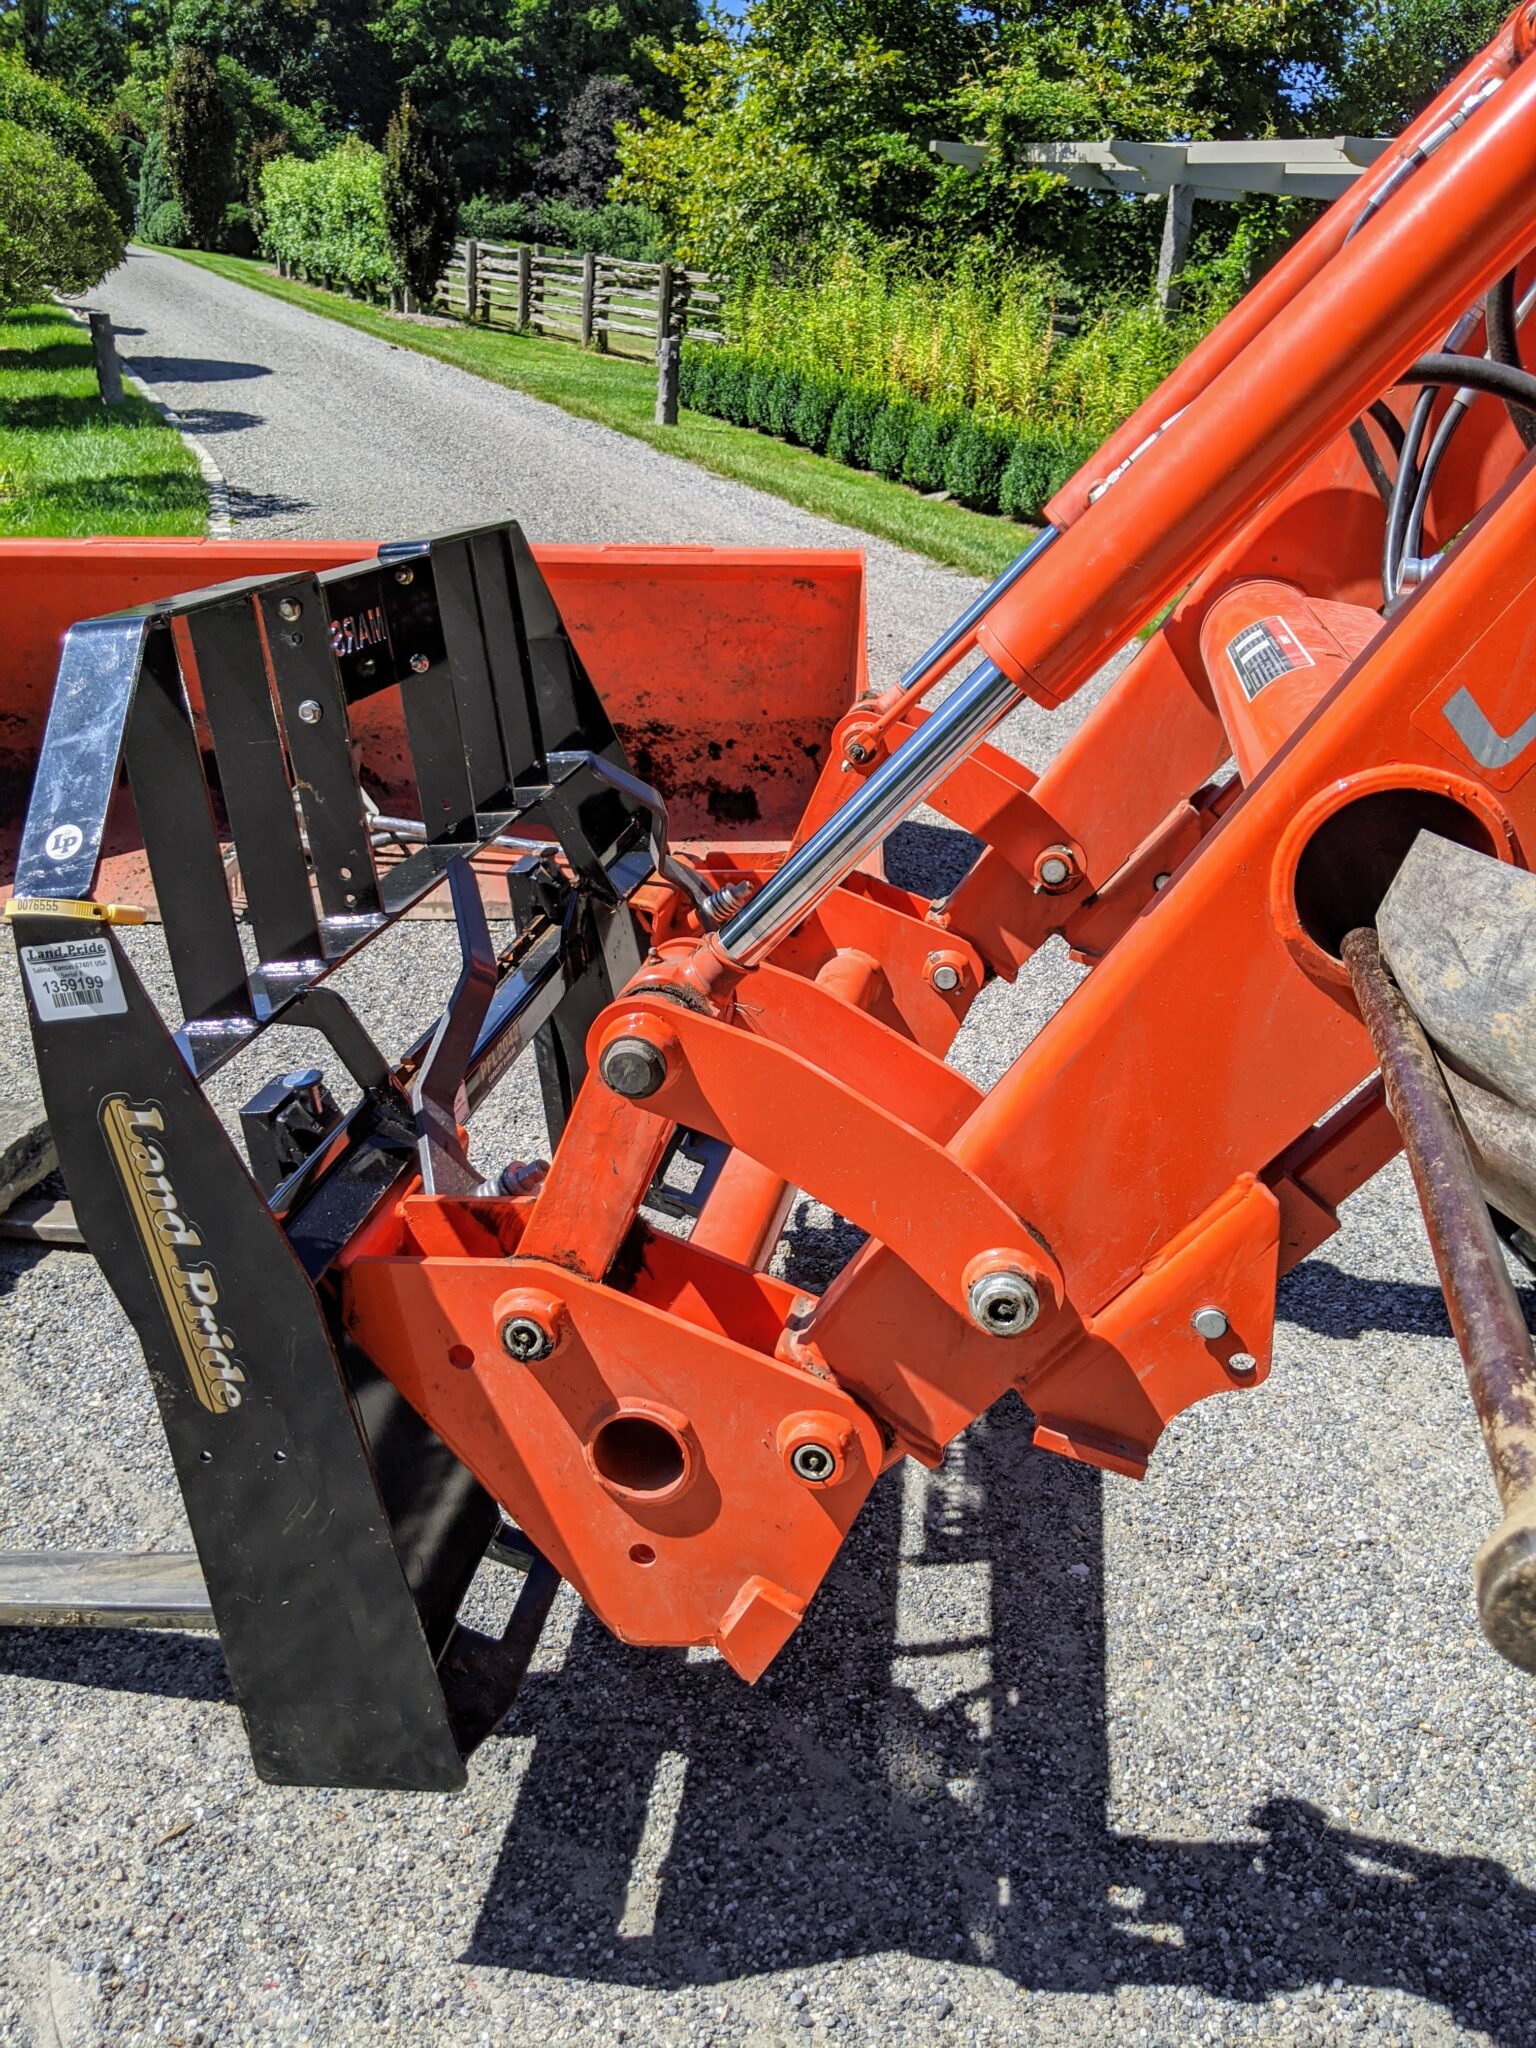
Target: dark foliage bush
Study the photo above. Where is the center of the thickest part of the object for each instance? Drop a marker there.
(927, 444)
(167, 226)
(693, 377)
(37, 103)
(888, 442)
(974, 464)
(199, 143)
(1038, 467)
(853, 426)
(759, 393)
(421, 201)
(728, 387)
(237, 232)
(783, 397)
(483, 219)
(154, 183)
(811, 420)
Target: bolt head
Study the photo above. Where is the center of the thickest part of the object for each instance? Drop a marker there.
(405, 575)
(633, 1068)
(1004, 1303)
(309, 712)
(526, 1340)
(289, 608)
(946, 979)
(1209, 1323)
(857, 752)
(1054, 871)
(814, 1463)
(419, 664)
(1161, 881)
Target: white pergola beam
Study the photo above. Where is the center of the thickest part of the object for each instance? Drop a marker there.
(1310, 167)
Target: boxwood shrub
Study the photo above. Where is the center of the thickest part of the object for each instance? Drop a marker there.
(923, 461)
(811, 421)
(853, 427)
(888, 442)
(728, 387)
(759, 390)
(974, 464)
(986, 467)
(783, 397)
(1038, 467)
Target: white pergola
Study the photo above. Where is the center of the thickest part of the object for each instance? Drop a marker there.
(1300, 167)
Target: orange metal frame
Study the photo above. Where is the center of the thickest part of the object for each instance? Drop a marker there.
(1184, 1128)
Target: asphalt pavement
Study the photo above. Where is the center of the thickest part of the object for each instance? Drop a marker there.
(1055, 1758)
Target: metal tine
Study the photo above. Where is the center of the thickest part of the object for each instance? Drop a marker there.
(81, 754)
(570, 712)
(226, 651)
(464, 638)
(170, 796)
(507, 656)
(439, 1080)
(295, 625)
(430, 703)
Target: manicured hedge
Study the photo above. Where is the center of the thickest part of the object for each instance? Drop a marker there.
(989, 467)
(326, 218)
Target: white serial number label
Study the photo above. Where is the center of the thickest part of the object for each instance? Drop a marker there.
(74, 978)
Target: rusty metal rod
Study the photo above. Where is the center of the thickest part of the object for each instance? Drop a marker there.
(1485, 1312)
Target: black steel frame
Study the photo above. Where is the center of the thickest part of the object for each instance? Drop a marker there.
(336, 1534)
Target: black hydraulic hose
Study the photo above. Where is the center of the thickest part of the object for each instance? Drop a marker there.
(1365, 447)
(1504, 347)
(1372, 463)
(1475, 373)
(1444, 433)
(1406, 484)
(1387, 420)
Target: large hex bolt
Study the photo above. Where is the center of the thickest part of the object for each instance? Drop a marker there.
(1003, 1302)
(633, 1067)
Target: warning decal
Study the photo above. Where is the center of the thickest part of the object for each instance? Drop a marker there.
(1263, 652)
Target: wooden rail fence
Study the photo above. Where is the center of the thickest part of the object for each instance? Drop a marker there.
(579, 298)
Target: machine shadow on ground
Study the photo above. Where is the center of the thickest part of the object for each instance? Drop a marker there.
(929, 1775)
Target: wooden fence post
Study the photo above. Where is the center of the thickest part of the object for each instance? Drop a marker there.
(588, 296)
(663, 304)
(471, 280)
(669, 352)
(108, 374)
(524, 285)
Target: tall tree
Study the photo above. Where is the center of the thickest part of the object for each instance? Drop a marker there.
(583, 167)
(421, 202)
(199, 143)
(494, 78)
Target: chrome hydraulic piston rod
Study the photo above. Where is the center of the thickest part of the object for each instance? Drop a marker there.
(952, 642)
(897, 787)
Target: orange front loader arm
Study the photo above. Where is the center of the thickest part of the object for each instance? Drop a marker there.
(688, 1439)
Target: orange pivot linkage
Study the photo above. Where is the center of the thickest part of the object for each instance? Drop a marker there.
(686, 1437)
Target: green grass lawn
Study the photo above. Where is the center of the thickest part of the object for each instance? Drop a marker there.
(70, 466)
(620, 392)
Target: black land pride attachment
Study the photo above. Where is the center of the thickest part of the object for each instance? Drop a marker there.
(336, 1535)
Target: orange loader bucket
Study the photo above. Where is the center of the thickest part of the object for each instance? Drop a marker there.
(724, 669)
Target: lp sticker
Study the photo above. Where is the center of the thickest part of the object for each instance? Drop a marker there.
(73, 978)
(63, 842)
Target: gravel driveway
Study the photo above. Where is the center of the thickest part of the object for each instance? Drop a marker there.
(1055, 1758)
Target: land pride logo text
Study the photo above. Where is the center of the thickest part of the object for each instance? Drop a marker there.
(184, 1280)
